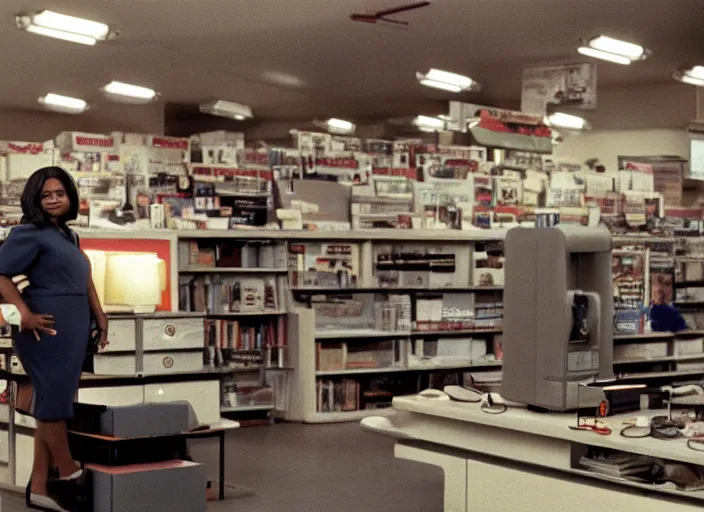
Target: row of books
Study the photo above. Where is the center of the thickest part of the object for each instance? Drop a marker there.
(231, 254)
(346, 395)
(230, 343)
(217, 295)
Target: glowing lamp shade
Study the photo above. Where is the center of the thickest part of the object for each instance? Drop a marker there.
(128, 281)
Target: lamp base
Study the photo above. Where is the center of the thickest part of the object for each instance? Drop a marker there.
(137, 310)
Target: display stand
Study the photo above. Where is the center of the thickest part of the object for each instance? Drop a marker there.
(522, 460)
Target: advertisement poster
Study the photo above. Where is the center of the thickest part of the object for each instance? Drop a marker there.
(573, 86)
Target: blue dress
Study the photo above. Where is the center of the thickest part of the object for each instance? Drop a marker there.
(58, 276)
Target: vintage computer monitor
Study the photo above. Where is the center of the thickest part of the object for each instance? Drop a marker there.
(558, 310)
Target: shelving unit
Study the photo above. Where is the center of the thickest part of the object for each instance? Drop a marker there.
(378, 280)
(241, 286)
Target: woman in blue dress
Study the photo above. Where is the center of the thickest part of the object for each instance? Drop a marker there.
(55, 311)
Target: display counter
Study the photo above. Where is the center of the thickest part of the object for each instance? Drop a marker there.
(522, 460)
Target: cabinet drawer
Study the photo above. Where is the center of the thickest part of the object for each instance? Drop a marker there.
(173, 333)
(121, 335)
(153, 363)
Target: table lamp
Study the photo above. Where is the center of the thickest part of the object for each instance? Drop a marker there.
(128, 281)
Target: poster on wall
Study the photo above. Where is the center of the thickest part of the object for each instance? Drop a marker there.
(573, 86)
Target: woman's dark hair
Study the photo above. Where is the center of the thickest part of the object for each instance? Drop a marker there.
(32, 212)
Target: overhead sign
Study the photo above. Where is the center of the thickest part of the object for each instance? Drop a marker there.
(573, 86)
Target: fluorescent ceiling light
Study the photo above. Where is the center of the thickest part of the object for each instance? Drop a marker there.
(696, 72)
(447, 81)
(613, 50)
(64, 104)
(339, 124)
(692, 76)
(611, 45)
(229, 109)
(427, 123)
(58, 34)
(61, 26)
(128, 92)
(566, 121)
(440, 85)
(598, 54)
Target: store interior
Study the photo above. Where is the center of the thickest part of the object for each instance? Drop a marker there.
(335, 241)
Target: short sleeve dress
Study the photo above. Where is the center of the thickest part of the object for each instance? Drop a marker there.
(58, 276)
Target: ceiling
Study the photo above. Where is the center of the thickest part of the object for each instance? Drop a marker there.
(305, 58)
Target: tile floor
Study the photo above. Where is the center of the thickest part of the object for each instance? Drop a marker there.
(309, 468)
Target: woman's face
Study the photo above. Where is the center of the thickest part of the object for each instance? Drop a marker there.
(54, 199)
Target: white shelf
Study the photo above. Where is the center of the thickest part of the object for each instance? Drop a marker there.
(247, 408)
(681, 358)
(336, 334)
(395, 289)
(235, 314)
(382, 235)
(644, 336)
(423, 367)
(459, 332)
(192, 269)
(337, 417)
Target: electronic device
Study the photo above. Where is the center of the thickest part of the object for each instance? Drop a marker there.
(433, 394)
(558, 304)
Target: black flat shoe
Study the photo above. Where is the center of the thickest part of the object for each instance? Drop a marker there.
(45, 503)
(73, 492)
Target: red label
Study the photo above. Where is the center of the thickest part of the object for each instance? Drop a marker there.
(388, 171)
(169, 143)
(96, 142)
(228, 172)
(27, 148)
(337, 163)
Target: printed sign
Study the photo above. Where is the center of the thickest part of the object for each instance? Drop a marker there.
(573, 86)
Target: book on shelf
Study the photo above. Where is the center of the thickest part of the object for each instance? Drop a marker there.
(196, 253)
(422, 266)
(452, 312)
(232, 343)
(354, 356)
(324, 265)
(339, 396)
(216, 294)
(488, 264)
(446, 352)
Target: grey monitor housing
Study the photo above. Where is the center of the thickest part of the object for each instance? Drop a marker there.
(558, 310)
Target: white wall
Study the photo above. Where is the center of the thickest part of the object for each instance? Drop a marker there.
(38, 125)
(607, 145)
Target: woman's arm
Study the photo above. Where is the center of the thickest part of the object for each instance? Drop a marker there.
(11, 295)
(94, 301)
(28, 320)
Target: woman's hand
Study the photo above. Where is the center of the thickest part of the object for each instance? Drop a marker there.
(103, 338)
(37, 323)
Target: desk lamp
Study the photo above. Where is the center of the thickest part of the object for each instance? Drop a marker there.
(128, 281)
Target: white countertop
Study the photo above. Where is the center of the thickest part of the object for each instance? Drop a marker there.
(551, 425)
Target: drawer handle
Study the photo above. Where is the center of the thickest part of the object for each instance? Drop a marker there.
(170, 330)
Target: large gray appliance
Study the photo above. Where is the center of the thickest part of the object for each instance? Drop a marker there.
(558, 309)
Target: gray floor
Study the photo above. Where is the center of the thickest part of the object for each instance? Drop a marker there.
(309, 468)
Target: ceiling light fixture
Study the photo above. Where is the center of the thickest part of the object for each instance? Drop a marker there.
(63, 104)
(67, 28)
(120, 91)
(429, 124)
(691, 76)
(447, 81)
(566, 121)
(229, 109)
(340, 126)
(612, 50)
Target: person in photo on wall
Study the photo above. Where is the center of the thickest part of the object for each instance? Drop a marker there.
(55, 311)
